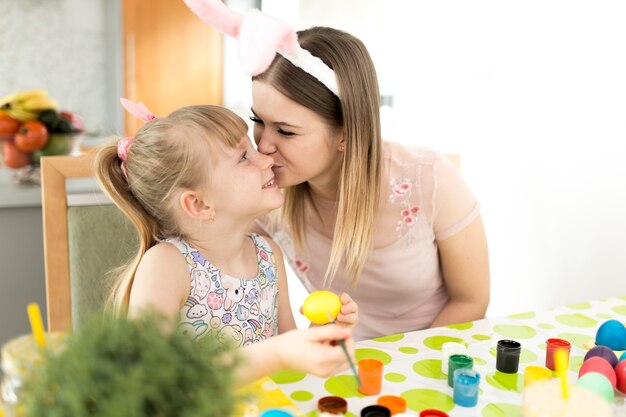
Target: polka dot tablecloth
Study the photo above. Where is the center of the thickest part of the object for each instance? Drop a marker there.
(413, 362)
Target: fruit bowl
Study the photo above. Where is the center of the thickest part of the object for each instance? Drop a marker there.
(31, 127)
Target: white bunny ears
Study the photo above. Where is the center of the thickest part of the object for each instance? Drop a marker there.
(260, 37)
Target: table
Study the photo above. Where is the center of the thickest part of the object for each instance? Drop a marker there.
(413, 360)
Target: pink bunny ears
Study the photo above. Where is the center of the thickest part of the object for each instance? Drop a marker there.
(260, 37)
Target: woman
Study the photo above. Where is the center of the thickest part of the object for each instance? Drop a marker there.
(396, 227)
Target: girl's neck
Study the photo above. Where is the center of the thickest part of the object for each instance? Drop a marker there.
(229, 249)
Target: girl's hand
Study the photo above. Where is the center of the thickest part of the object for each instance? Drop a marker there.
(313, 350)
(349, 313)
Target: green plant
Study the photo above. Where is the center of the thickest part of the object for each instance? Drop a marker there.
(114, 367)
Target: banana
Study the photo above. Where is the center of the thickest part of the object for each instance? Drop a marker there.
(20, 114)
(38, 103)
(26, 105)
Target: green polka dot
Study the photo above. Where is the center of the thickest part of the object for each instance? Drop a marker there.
(408, 350)
(430, 368)
(461, 326)
(423, 399)
(349, 414)
(545, 326)
(576, 339)
(542, 346)
(580, 306)
(368, 353)
(620, 310)
(515, 332)
(435, 342)
(391, 338)
(479, 361)
(395, 377)
(481, 337)
(301, 396)
(604, 316)
(287, 377)
(623, 297)
(502, 410)
(525, 356)
(342, 386)
(576, 320)
(506, 382)
(527, 315)
(575, 362)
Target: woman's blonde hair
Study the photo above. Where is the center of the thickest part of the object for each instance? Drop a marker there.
(357, 114)
(167, 154)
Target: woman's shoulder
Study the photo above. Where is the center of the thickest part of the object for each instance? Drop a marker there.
(400, 154)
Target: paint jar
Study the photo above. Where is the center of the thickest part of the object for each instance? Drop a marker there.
(551, 347)
(332, 405)
(371, 376)
(457, 362)
(507, 356)
(450, 348)
(433, 413)
(466, 382)
(534, 373)
(394, 403)
(375, 411)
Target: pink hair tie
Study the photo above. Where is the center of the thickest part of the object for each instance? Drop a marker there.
(140, 111)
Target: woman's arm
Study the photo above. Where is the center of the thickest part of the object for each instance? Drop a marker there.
(465, 267)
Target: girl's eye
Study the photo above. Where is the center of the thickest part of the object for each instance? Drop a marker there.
(256, 120)
(285, 133)
(244, 156)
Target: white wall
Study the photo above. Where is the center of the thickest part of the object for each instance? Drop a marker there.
(533, 96)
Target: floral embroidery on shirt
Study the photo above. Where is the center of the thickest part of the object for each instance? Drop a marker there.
(401, 191)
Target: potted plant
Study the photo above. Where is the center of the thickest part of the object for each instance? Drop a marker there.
(114, 367)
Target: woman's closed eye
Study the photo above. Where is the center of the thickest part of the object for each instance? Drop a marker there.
(285, 133)
(256, 120)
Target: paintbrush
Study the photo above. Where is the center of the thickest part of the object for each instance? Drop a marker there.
(345, 350)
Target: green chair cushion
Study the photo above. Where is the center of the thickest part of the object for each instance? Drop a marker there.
(100, 239)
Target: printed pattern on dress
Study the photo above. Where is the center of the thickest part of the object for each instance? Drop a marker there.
(235, 311)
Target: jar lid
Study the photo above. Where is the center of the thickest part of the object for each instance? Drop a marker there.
(375, 411)
(332, 405)
(433, 413)
(394, 403)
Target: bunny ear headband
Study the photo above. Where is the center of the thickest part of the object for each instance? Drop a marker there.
(260, 37)
(140, 111)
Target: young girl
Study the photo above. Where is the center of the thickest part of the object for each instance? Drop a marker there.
(191, 183)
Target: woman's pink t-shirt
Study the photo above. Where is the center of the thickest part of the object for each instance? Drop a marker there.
(401, 288)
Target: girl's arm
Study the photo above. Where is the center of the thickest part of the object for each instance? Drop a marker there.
(308, 350)
(161, 282)
(465, 267)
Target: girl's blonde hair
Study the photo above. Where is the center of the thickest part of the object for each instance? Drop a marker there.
(357, 115)
(168, 154)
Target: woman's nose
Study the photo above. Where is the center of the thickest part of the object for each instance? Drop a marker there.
(264, 142)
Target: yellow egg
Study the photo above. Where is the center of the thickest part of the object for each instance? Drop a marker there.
(319, 304)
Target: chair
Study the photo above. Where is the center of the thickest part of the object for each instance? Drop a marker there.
(82, 243)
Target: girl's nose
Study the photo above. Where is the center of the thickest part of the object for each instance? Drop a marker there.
(264, 161)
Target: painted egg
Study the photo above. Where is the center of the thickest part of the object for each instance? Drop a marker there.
(611, 334)
(319, 305)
